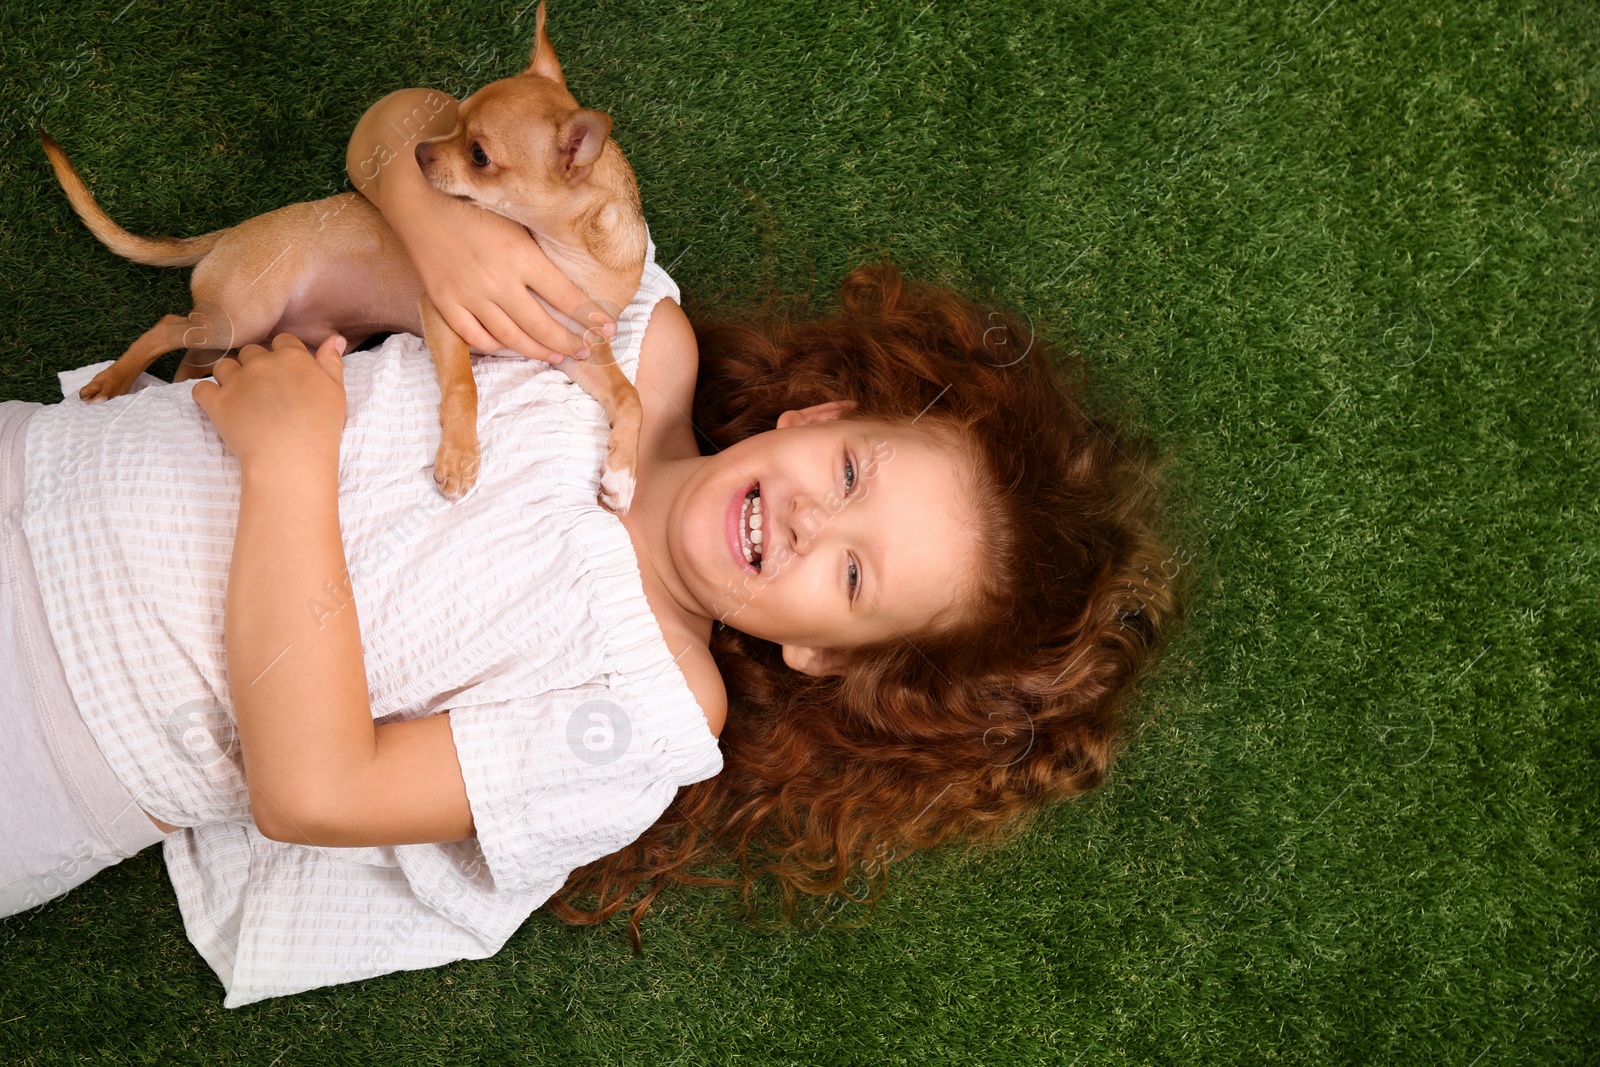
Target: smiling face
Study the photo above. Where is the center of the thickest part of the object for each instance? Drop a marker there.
(865, 533)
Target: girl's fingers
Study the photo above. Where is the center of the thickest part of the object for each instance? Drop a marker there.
(204, 392)
(565, 296)
(541, 276)
(508, 335)
(546, 279)
(534, 322)
(467, 327)
(599, 320)
(330, 357)
(225, 368)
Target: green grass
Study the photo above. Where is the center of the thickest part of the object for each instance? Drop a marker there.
(1341, 261)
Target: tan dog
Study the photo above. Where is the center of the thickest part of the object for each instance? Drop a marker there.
(523, 148)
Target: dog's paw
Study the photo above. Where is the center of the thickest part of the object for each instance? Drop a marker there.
(616, 488)
(619, 478)
(105, 385)
(455, 468)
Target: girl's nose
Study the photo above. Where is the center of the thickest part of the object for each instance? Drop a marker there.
(807, 523)
(783, 530)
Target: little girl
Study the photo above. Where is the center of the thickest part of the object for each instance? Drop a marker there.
(900, 574)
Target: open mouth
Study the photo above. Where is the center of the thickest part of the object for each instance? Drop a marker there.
(747, 532)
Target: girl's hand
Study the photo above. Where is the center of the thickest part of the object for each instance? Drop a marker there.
(478, 267)
(481, 271)
(280, 405)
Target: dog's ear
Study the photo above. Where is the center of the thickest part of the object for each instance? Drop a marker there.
(544, 62)
(582, 139)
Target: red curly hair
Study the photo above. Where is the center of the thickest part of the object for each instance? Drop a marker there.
(959, 732)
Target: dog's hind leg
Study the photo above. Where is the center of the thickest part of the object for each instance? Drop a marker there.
(199, 329)
(155, 342)
(197, 363)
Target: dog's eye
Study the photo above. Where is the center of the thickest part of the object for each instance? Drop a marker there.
(480, 158)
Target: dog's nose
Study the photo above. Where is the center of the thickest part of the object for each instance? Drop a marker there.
(424, 154)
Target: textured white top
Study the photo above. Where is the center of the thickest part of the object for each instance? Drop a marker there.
(519, 609)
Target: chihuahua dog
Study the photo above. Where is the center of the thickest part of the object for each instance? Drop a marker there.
(522, 148)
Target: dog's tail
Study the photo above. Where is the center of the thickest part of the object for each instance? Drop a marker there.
(153, 251)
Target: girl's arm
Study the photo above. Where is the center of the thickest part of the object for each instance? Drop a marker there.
(318, 770)
(476, 266)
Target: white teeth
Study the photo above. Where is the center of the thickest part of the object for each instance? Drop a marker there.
(755, 523)
(745, 540)
(750, 530)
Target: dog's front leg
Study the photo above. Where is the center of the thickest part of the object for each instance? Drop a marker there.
(602, 378)
(455, 466)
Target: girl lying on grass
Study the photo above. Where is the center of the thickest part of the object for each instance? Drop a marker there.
(884, 585)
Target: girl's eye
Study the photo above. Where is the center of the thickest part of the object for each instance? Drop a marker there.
(480, 158)
(849, 474)
(855, 578)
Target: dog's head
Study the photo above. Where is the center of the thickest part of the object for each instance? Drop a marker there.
(521, 147)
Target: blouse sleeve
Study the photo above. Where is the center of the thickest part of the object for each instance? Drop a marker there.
(553, 781)
(574, 776)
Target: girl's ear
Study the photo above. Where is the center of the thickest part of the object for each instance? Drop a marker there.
(832, 409)
(809, 660)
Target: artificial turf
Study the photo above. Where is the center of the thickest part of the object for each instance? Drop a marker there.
(1339, 258)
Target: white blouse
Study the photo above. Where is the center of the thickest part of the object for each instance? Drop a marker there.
(520, 609)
